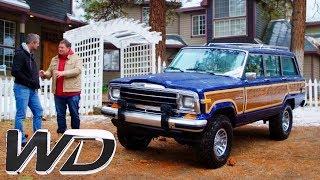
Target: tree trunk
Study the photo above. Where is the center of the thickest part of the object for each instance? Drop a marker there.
(298, 30)
(157, 22)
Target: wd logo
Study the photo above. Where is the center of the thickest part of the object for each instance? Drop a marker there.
(47, 159)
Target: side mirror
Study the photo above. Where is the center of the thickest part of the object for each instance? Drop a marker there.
(251, 75)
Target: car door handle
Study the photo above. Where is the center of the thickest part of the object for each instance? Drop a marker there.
(284, 79)
(267, 80)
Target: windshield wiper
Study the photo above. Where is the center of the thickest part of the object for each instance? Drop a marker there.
(174, 68)
(211, 72)
(200, 70)
(195, 69)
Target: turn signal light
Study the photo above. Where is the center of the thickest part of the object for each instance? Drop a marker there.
(115, 105)
(190, 116)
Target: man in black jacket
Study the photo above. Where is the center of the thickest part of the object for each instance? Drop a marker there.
(26, 84)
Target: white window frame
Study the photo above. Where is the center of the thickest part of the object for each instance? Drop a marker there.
(229, 19)
(2, 45)
(199, 25)
(143, 18)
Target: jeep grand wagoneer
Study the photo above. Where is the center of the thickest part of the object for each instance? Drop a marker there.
(205, 93)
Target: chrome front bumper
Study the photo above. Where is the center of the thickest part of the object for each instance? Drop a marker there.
(154, 120)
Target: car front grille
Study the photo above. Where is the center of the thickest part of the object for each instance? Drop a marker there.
(146, 97)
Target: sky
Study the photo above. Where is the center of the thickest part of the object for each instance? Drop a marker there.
(313, 11)
(78, 12)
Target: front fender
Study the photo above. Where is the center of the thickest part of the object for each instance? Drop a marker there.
(218, 107)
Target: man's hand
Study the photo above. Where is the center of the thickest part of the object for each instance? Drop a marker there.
(59, 74)
(41, 73)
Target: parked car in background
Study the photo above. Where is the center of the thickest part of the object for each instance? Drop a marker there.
(204, 94)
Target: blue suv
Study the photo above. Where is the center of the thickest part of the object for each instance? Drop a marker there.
(206, 92)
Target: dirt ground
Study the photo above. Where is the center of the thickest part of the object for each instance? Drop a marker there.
(255, 154)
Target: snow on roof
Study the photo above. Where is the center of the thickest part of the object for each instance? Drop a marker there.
(278, 33)
(73, 17)
(18, 3)
(173, 39)
(190, 3)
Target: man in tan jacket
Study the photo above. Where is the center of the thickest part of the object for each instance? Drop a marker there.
(65, 70)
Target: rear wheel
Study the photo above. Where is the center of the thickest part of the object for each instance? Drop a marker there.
(133, 141)
(280, 125)
(215, 145)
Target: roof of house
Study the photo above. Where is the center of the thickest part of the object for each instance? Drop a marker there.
(313, 23)
(190, 5)
(18, 3)
(175, 41)
(278, 33)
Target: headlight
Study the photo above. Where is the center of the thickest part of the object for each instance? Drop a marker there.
(188, 102)
(115, 93)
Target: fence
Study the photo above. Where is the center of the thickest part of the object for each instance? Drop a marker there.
(312, 93)
(7, 100)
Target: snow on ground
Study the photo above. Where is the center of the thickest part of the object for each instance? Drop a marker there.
(301, 117)
(306, 116)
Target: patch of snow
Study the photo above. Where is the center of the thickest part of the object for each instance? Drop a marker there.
(95, 118)
(315, 42)
(173, 42)
(302, 116)
(190, 3)
(19, 3)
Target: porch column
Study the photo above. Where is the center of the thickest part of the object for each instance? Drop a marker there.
(22, 28)
(121, 62)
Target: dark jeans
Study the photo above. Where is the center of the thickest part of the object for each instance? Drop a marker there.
(61, 103)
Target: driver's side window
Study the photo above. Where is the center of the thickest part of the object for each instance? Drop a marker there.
(255, 65)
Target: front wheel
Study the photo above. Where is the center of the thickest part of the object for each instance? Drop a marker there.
(133, 141)
(281, 124)
(215, 145)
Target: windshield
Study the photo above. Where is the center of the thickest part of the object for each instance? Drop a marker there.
(215, 61)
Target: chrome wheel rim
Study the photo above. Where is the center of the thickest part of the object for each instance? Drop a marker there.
(220, 142)
(285, 121)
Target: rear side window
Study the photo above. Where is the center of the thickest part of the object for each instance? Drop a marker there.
(272, 66)
(288, 66)
(255, 65)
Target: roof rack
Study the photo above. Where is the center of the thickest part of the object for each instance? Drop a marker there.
(249, 45)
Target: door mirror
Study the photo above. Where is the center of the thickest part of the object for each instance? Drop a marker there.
(251, 75)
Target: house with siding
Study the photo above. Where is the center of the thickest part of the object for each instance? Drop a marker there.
(198, 22)
(313, 29)
(279, 33)
(50, 19)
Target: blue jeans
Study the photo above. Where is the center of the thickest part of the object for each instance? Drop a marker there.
(27, 97)
(61, 103)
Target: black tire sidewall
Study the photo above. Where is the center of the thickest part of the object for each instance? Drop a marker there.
(275, 125)
(207, 152)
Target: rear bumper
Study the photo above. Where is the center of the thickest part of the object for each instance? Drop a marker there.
(154, 120)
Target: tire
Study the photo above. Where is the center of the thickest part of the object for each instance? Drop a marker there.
(280, 125)
(132, 141)
(214, 153)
